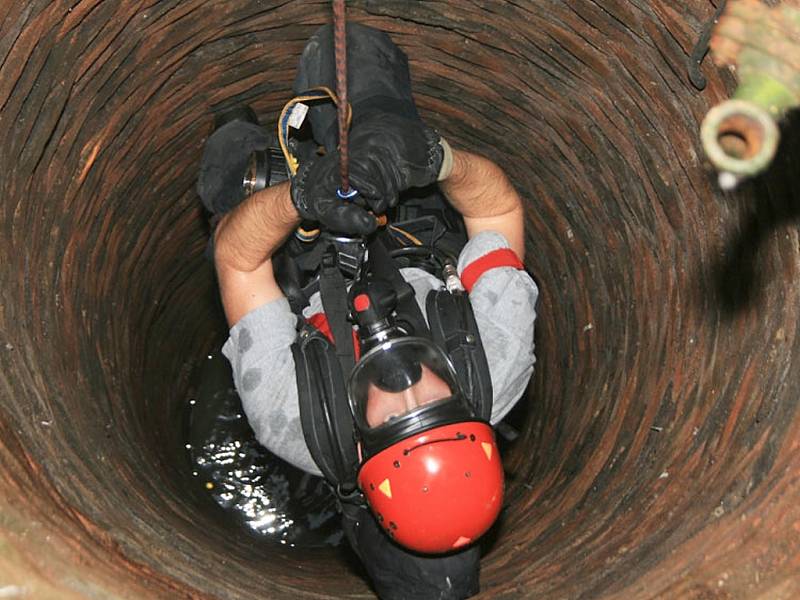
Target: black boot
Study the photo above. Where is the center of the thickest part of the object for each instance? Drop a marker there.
(226, 157)
(378, 79)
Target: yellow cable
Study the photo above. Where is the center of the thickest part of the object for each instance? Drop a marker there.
(324, 92)
(411, 237)
(291, 160)
(307, 235)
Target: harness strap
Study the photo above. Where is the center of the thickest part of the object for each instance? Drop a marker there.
(324, 414)
(408, 311)
(289, 278)
(333, 291)
(454, 328)
(320, 322)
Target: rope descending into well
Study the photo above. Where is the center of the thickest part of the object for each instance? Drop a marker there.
(340, 49)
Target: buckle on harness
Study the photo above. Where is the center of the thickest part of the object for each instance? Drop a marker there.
(351, 253)
(354, 496)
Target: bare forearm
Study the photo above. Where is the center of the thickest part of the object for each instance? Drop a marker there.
(249, 235)
(244, 243)
(481, 192)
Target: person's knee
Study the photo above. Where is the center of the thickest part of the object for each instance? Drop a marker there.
(317, 61)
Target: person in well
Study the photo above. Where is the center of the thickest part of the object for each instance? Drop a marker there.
(385, 366)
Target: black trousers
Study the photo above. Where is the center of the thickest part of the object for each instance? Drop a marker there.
(378, 79)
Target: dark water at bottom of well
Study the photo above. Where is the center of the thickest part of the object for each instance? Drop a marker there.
(270, 498)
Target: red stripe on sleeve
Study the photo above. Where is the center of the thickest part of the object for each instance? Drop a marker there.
(502, 257)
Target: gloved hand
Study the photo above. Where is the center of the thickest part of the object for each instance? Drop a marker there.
(314, 195)
(388, 154)
(391, 153)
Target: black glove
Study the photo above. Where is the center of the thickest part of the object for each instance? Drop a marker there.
(389, 154)
(314, 195)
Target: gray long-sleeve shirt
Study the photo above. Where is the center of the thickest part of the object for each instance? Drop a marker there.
(259, 349)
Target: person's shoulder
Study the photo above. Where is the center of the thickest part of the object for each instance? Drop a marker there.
(270, 327)
(480, 245)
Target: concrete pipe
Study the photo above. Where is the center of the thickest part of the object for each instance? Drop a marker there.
(659, 454)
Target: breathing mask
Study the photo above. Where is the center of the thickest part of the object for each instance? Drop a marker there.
(429, 467)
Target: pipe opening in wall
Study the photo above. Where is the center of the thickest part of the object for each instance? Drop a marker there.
(740, 137)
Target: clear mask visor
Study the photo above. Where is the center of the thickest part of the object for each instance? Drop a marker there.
(398, 377)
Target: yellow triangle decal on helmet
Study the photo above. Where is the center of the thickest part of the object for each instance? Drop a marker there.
(386, 488)
(487, 448)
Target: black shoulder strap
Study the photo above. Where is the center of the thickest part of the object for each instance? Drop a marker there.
(453, 327)
(333, 291)
(429, 217)
(324, 412)
(289, 278)
(408, 311)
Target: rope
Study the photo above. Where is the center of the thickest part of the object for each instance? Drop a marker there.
(340, 48)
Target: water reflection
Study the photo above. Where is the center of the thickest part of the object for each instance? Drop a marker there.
(267, 495)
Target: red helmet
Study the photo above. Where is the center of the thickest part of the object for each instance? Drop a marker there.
(430, 470)
(438, 490)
